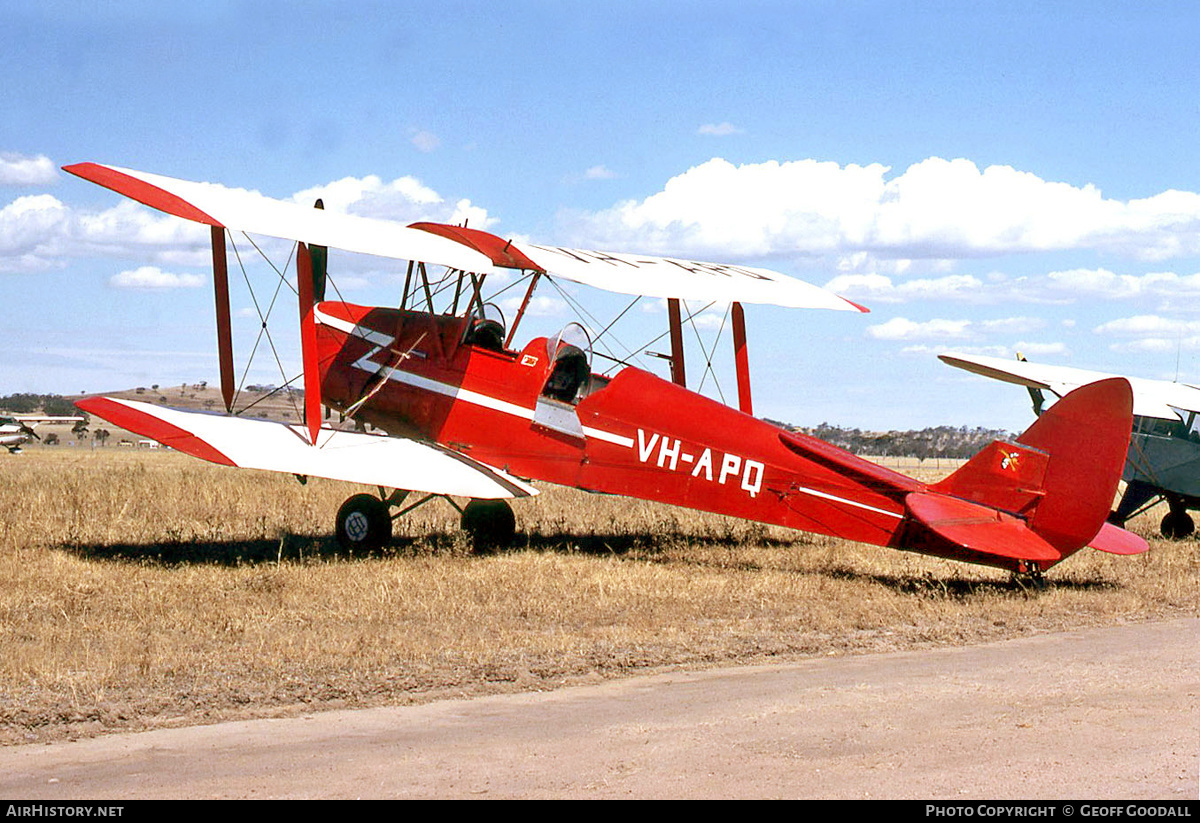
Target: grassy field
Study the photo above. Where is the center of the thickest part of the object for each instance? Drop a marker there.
(142, 589)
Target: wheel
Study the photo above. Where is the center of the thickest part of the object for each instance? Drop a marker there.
(1177, 525)
(364, 524)
(490, 523)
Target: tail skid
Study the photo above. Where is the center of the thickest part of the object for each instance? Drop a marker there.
(1029, 504)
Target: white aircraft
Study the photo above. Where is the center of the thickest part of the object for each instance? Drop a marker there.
(17, 431)
(1164, 449)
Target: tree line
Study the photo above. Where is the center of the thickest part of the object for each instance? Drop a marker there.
(939, 441)
(48, 404)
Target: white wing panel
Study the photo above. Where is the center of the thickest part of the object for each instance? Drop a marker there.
(684, 279)
(352, 456)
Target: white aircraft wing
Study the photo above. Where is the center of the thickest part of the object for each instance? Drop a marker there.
(376, 460)
(458, 247)
(249, 211)
(1151, 398)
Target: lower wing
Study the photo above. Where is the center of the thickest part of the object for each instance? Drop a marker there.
(356, 457)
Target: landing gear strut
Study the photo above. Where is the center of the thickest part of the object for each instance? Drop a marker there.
(1031, 574)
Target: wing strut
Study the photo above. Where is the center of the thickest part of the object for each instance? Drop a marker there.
(308, 342)
(678, 376)
(224, 336)
(521, 311)
(742, 359)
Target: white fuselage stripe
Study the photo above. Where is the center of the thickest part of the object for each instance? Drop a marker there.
(854, 503)
(381, 340)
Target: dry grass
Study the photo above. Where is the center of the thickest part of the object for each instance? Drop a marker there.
(144, 589)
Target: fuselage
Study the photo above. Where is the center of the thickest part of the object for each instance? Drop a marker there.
(634, 434)
(13, 434)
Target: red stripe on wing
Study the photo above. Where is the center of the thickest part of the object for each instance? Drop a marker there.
(148, 425)
(141, 191)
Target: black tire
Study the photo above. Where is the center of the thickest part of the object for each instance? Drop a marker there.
(490, 523)
(364, 524)
(1177, 525)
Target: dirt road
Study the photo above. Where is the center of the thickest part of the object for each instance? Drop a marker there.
(1095, 714)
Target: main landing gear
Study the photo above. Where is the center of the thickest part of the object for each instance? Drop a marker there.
(1177, 524)
(1139, 496)
(364, 522)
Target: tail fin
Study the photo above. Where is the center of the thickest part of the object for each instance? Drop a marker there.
(1061, 475)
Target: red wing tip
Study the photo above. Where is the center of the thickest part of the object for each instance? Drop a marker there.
(858, 306)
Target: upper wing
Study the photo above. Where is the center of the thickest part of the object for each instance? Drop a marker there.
(457, 246)
(252, 212)
(275, 446)
(1151, 398)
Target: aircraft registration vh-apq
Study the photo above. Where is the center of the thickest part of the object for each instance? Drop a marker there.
(460, 411)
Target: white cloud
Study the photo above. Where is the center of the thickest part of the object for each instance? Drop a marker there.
(1146, 324)
(1013, 325)
(404, 200)
(539, 306)
(1150, 333)
(600, 172)
(1102, 283)
(32, 230)
(724, 129)
(1041, 349)
(38, 232)
(901, 328)
(19, 170)
(155, 279)
(368, 195)
(935, 209)
(426, 141)
(881, 289)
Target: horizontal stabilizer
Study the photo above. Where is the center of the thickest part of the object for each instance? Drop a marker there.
(356, 457)
(977, 530)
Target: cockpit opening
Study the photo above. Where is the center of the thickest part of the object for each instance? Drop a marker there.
(485, 328)
(570, 352)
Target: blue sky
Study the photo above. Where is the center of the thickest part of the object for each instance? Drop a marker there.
(986, 177)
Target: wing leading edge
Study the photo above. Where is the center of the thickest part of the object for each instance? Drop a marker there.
(275, 446)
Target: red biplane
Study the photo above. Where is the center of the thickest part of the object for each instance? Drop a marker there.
(467, 414)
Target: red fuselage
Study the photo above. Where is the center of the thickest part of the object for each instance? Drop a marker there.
(634, 434)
